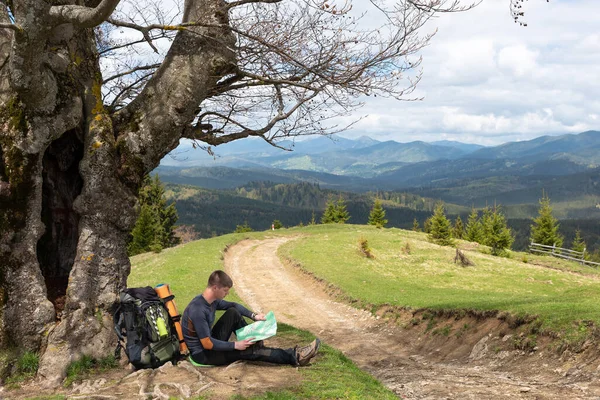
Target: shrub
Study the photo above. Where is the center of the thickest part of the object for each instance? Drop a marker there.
(277, 224)
(243, 228)
(363, 245)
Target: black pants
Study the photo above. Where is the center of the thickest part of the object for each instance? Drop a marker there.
(222, 330)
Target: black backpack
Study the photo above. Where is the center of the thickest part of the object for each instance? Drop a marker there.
(143, 323)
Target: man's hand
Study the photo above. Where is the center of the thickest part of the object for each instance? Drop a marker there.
(260, 317)
(243, 344)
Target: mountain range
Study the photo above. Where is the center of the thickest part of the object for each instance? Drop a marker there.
(367, 156)
(566, 166)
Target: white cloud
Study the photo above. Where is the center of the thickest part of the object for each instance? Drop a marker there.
(487, 80)
(590, 43)
(466, 62)
(517, 59)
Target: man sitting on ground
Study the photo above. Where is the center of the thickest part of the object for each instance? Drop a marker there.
(212, 347)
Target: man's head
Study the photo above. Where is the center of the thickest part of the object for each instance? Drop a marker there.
(219, 283)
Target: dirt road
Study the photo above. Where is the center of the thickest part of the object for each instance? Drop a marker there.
(410, 361)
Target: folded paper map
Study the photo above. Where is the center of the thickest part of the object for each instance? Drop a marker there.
(259, 330)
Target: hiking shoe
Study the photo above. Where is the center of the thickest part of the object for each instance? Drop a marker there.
(304, 354)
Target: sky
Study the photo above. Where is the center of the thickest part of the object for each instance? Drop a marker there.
(487, 80)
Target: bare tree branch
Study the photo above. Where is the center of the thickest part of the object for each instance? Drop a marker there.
(123, 91)
(131, 71)
(152, 38)
(81, 16)
(143, 29)
(14, 27)
(243, 2)
(439, 6)
(208, 136)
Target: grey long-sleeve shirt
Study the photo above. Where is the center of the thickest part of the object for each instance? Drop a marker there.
(198, 319)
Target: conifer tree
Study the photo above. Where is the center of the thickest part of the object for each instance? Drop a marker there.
(143, 233)
(329, 214)
(341, 213)
(496, 233)
(154, 228)
(153, 194)
(427, 225)
(485, 221)
(473, 231)
(459, 229)
(416, 227)
(578, 242)
(313, 220)
(440, 230)
(377, 215)
(545, 227)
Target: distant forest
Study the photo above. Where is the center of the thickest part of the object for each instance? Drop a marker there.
(217, 212)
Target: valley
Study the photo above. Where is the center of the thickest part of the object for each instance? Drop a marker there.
(256, 183)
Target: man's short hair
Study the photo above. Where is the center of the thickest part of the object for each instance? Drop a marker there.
(220, 278)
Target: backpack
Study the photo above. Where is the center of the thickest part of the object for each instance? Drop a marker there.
(143, 323)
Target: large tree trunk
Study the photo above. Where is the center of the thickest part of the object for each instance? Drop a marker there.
(66, 212)
(100, 265)
(70, 173)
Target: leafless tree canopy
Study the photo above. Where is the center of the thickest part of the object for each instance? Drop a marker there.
(297, 63)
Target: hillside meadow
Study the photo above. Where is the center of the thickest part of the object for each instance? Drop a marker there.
(407, 271)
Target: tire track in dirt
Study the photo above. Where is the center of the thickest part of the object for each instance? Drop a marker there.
(387, 352)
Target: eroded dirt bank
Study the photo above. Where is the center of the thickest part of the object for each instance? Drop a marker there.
(454, 358)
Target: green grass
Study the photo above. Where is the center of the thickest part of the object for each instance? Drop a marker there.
(428, 277)
(86, 366)
(186, 269)
(26, 366)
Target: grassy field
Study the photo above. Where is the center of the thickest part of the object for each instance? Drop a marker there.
(186, 269)
(409, 271)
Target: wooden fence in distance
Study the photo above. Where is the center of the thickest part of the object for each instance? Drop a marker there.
(562, 253)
